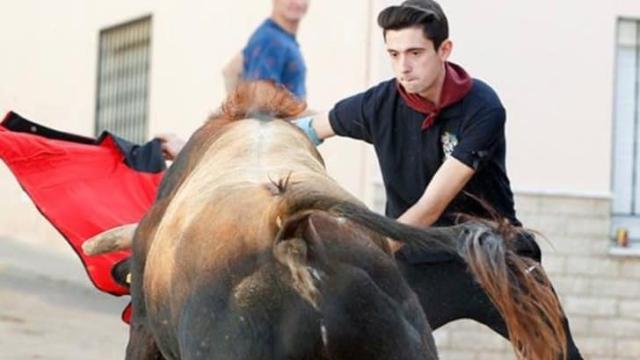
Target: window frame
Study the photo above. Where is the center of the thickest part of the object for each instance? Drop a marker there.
(135, 130)
(628, 223)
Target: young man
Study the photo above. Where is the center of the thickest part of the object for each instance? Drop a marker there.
(272, 52)
(440, 140)
(438, 133)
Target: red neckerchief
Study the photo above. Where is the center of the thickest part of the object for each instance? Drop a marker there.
(457, 84)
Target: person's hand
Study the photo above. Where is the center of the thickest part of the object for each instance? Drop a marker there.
(171, 145)
(306, 125)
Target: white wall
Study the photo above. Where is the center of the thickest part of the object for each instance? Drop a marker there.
(47, 66)
(552, 64)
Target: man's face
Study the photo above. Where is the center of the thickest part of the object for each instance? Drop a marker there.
(292, 10)
(416, 64)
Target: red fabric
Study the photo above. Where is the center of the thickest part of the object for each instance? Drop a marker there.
(126, 314)
(457, 84)
(82, 190)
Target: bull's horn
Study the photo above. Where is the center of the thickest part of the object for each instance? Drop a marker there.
(118, 238)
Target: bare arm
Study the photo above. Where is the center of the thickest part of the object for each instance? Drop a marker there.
(322, 126)
(232, 72)
(448, 181)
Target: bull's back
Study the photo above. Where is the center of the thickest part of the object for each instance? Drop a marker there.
(226, 209)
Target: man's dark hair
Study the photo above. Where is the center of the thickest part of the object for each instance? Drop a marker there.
(426, 14)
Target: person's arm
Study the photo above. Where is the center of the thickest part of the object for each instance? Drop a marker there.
(232, 72)
(448, 181)
(350, 117)
(322, 126)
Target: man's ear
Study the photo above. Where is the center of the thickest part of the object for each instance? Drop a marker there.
(445, 49)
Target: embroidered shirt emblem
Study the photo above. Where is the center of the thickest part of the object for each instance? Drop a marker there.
(449, 142)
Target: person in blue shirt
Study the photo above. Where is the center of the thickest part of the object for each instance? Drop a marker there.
(272, 52)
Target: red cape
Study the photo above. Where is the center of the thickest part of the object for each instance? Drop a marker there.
(82, 188)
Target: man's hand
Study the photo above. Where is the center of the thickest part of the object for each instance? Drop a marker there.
(316, 126)
(448, 181)
(171, 145)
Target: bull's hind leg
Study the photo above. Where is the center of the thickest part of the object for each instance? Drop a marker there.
(259, 319)
(363, 322)
(210, 329)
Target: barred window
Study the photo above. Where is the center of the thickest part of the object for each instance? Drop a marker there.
(123, 80)
(626, 132)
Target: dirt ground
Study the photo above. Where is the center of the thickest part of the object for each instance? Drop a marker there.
(50, 310)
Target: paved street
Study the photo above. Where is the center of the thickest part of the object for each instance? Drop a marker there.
(50, 310)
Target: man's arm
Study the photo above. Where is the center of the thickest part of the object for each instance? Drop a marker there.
(317, 127)
(322, 126)
(448, 181)
(232, 72)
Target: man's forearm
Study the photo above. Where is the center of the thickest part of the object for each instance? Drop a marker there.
(448, 181)
(419, 216)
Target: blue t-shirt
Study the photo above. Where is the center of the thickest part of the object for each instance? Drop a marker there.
(471, 130)
(272, 53)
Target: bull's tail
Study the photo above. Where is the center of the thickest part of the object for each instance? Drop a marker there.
(517, 285)
(431, 239)
(521, 291)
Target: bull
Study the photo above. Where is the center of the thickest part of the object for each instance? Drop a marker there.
(251, 251)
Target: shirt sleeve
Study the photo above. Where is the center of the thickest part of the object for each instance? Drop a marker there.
(146, 157)
(480, 137)
(353, 116)
(265, 61)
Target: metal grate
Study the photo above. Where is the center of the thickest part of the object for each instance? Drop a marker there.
(626, 131)
(123, 80)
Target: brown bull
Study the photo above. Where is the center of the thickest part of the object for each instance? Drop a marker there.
(252, 252)
(240, 259)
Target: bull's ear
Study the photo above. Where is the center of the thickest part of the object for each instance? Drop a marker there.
(317, 254)
(293, 226)
(298, 247)
(118, 238)
(303, 227)
(293, 253)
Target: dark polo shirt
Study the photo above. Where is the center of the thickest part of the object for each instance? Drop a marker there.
(471, 130)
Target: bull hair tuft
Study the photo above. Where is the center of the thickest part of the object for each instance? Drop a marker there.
(261, 99)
